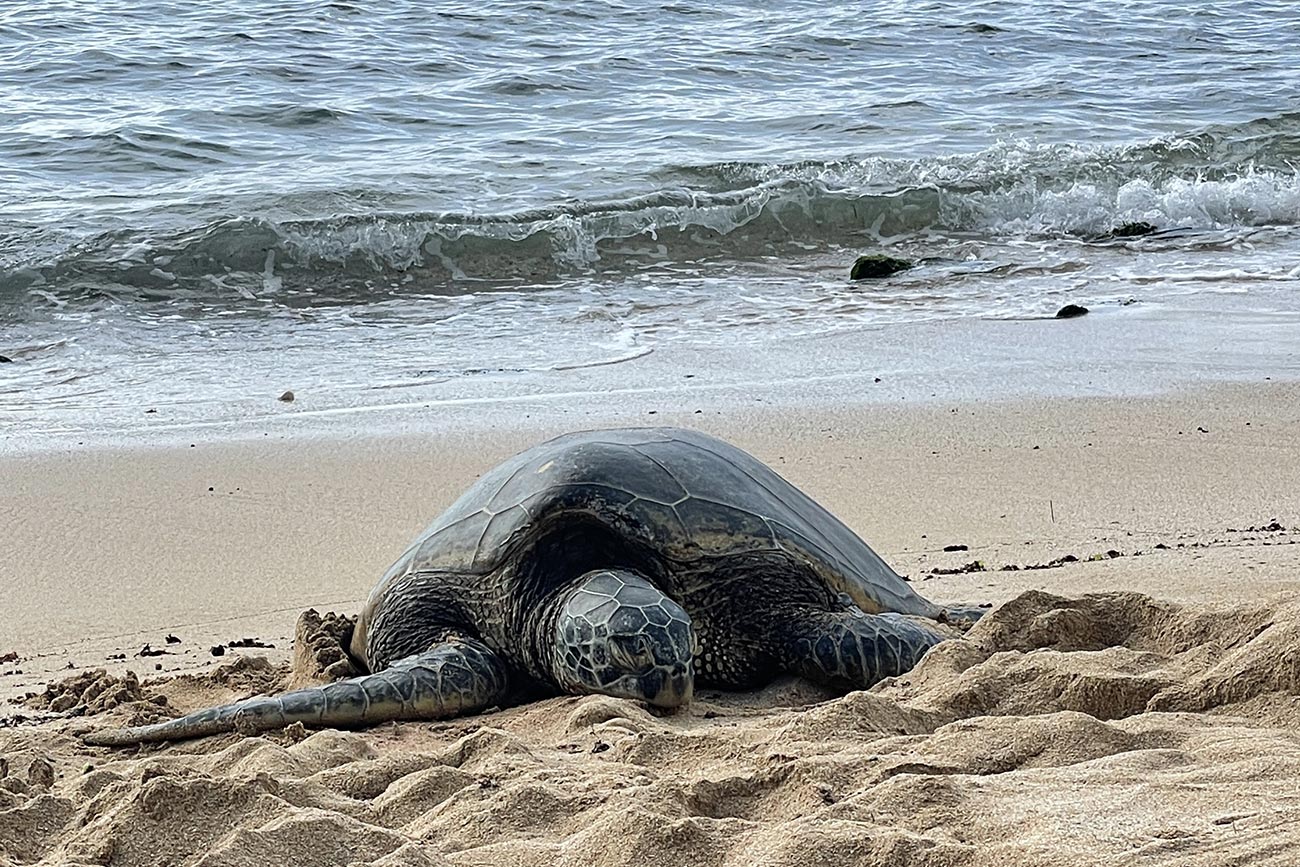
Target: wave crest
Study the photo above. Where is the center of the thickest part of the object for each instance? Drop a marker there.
(732, 212)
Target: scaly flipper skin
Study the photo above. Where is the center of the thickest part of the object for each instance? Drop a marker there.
(458, 677)
(853, 650)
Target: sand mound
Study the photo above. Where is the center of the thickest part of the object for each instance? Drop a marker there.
(96, 691)
(1109, 729)
(318, 643)
(1112, 656)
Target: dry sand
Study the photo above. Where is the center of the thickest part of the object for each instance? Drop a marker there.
(1132, 709)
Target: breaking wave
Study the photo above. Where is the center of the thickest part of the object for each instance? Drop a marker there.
(1240, 176)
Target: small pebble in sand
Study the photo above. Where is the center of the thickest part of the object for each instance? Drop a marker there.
(287, 397)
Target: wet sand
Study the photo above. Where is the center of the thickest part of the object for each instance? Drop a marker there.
(1156, 721)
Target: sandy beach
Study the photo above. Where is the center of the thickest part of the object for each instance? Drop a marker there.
(1133, 701)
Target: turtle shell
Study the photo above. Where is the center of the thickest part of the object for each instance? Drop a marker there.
(679, 493)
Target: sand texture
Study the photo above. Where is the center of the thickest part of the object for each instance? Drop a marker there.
(1131, 730)
(1134, 701)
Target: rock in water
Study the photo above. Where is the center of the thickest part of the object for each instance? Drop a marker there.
(287, 397)
(1070, 311)
(875, 265)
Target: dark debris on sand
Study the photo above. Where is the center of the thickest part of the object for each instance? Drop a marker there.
(248, 642)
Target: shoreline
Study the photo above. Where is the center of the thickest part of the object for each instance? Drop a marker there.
(1114, 352)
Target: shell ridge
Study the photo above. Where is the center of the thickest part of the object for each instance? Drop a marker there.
(668, 472)
(806, 502)
(780, 498)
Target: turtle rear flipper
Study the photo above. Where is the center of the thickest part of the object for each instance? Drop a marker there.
(460, 676)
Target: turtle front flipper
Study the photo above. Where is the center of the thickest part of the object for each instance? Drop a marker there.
(460, 676)
(853, 650)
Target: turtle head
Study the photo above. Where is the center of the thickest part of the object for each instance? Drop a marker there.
(618, 635)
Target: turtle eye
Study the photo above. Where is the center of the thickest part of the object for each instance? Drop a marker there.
(632, 655)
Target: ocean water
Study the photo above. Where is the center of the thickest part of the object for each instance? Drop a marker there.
(397, 204)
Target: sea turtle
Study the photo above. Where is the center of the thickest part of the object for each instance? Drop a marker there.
(635, 562)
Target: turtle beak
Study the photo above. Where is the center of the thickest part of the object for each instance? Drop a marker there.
(678, 687)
